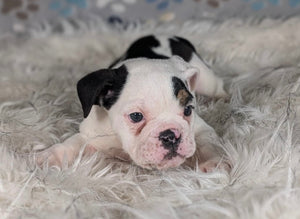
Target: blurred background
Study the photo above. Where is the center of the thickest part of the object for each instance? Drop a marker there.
(18, 15)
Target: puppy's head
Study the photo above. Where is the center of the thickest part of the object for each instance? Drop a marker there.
(150, 104)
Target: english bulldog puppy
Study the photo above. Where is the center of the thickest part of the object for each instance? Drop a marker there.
(141, 109)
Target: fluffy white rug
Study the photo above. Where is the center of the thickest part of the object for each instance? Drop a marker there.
(259, 127)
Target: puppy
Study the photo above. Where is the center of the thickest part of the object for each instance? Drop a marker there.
(142, 109)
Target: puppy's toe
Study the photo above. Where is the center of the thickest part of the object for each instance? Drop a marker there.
(54, 155)
(45, 156)
(89, 150)
(221, 94)
(211, 165)
(208, 166)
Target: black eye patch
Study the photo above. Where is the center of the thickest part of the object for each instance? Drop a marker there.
(181, 92)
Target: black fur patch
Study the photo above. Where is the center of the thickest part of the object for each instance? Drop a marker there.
(181, 92)
(142, 48)
(101, 87)
(182, 47)
(117, 84)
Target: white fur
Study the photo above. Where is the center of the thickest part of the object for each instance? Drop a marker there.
(259, 127)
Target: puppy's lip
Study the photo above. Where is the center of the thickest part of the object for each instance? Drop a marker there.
(172, 154)
(166, 164)
(162, 164)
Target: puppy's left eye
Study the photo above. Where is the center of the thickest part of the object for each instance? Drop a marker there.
(136, 117)
(188, 110)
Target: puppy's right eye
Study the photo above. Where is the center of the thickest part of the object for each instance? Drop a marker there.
(188, 110)
(136, 117)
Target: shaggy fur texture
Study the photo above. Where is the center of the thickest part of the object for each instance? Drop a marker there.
(259, 127)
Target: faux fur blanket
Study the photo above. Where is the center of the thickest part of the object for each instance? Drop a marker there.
(259, 127)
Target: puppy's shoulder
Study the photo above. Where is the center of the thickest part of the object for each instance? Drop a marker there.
(96, 122)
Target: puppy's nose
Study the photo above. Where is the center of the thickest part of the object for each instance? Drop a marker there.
(170, 139)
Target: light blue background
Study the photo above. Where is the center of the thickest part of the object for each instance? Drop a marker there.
(124, 11)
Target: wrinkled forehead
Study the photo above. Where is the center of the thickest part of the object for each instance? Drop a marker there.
(157, 83)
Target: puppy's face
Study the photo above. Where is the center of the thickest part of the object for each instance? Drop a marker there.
(153, 112)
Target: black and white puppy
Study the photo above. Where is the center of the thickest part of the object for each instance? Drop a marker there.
(141, 108)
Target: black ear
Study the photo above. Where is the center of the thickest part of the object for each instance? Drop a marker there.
(101, 88)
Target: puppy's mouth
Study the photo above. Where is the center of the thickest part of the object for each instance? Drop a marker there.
(172, 154)
(171, 159)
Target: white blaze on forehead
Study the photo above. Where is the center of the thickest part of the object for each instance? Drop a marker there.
(164, 47)
(150, 80)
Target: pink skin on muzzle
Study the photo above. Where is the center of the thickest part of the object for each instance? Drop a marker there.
(151, 152)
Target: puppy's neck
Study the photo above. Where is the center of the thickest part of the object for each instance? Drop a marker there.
(98, 131)
(97, 123)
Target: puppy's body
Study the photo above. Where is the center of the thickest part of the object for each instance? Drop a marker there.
(160, 47)
(140, 109)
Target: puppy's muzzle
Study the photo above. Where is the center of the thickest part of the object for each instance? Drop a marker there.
(170, 139)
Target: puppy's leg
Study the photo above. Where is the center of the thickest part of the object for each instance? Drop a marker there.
(67, 151)
(95, 135)
(208, 155)
(207, 82)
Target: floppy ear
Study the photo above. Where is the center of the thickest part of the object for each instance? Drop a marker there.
(101, 88)
(189, 72)
(191, 76)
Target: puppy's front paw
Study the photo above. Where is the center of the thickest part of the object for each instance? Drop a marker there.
(58, 154)
(222, 94)
(212, 164)
(53, 155)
